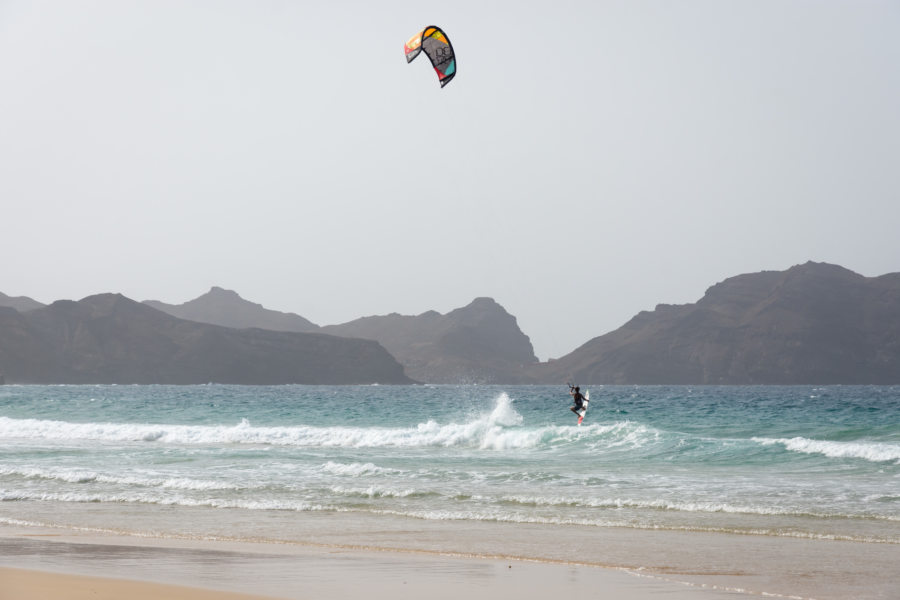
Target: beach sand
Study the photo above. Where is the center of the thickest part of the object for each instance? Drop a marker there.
(20, 584)
(72, 567)
(396, 562)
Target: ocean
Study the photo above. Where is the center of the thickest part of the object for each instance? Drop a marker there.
(417, 466)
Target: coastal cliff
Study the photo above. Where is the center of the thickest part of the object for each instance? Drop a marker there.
(478, 343)
(813, 323)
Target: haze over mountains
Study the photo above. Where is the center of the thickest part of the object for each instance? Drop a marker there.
(814, 323)
(108, 338)
(479, 343)
(227, 308)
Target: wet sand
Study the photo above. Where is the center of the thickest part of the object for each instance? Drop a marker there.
(338, 556)
(57, 567)
(20, 584)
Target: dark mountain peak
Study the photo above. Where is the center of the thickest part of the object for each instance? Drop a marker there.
(737, 295)
(485, 303)
(812, 323)
(219, 292)
(480, 308)
(822, 268)
(100, 306)
(222, 297)
(812, 271)
(62, 304)
(106, 299)
(478, 343)
(107, 303)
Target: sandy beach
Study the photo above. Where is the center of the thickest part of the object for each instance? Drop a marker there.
(70, 565)
(27, 585)
(74, 567)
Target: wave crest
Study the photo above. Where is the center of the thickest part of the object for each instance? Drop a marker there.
(871, 451)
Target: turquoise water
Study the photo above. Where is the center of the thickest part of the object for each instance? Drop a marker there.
(802, 461)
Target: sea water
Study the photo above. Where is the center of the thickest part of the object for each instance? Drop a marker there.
(364, 464)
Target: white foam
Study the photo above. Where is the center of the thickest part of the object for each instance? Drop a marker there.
(374, 492)
(149, 497)
(871, 451)
(670, 505)
(498, 429)
(356, 469)
(81, 476)
(623, 434)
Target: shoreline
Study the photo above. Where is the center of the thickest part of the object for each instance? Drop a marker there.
(71, 567)
(299, 570)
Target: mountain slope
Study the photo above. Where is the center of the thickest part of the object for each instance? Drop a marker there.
(814, 323)
(479, 343)
(110, 339)
(225, 307)
(20, 303)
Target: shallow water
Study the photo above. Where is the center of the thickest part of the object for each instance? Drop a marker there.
(787, 461)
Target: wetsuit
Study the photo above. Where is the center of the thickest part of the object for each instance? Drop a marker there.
(579, 401)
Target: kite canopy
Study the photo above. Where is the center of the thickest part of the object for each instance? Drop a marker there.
(437, 46)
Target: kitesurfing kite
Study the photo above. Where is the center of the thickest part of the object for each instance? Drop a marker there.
(439, 50)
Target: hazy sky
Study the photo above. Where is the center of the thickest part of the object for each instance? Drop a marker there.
(590, 160)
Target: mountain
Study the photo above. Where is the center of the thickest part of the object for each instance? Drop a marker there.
(110, 339)
(479, 343)
(20, 303)
(812, 324)
(225, 307)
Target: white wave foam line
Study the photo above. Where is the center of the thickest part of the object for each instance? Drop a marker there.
(375, 492)
(487, 431)
(499, 429)
(529, 519)
(148, 498)
(475, 516)
(691, 507)
(84, 477)
(871, 451)
(356, 469)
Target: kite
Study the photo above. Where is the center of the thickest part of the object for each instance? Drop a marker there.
(439, 50)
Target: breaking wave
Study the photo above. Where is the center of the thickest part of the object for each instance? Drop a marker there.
(81, 476)
(871, 451)
(499, 429)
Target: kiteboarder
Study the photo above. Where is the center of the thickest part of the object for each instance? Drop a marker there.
(575, 392)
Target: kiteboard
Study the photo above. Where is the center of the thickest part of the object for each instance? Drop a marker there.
(584, 405)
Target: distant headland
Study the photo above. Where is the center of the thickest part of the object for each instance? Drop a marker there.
(814, 323)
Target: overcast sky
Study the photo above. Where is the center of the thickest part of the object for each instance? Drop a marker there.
(590, 160)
